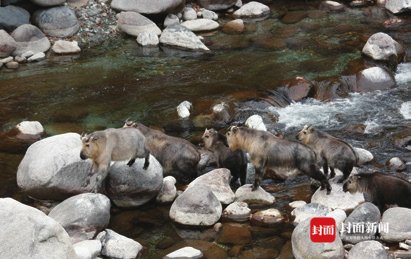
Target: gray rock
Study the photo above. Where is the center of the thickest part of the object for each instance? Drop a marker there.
(398, 223)
(133, 186)
(180, 37)
(252, 9)
(259, 196)
(12, 65)
(398, 6)
(255, 122)
(380, 46)
(29, 38)
(308, 211)
(368, 249)
(331, 6)
(237, 211)
(218, 181)
(27, 54)
(297, 204)
(87, 249)
(217, 5)
(52, 169)
(396, 164)
(189, 14)
(374, 78)
(168, 191)
(187, 252)
(65, 47)
(267, 217)
(118, 246)
(366, 213)
(7, 44)
(57, 21)
(48, 2)
(134, 23)
(12, 17)
(83, 215)
(148, 6)
(37, 57)
(6, 60)
(201, 25)
(339, 215)
(197, 206)
(302, 246)
(364, 156)
(171, 19)
(147, 39)
(208, 14)
(28, 233)
(20, 59)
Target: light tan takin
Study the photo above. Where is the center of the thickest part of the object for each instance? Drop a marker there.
(108, 145)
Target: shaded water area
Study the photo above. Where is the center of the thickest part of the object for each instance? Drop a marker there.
(106, 85)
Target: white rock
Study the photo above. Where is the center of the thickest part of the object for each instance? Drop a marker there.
(398, 6)
(339, 215)
(134, 23)
(183, 109)
(380, 46)
(267, 217)
(27, 54)
(6, 60)
(368, 249)
(171, 19)
(218, 181)
(118, 246)
(185, 253)
(374, 78)
(396, 164)
(405, 110)
(207, 14)
(189, 14)
(256, 122)
(364, 156)
(237, 211)
(87, 249)
(297, 204)
(399, 225)
(308, 211)
(147, 39)
(30, 128)
(37, 57)
(168, 191)
(259, 196)
(201, 25)
(180, 37)
(238, 4)
(65, 47)
(252, 9)
(404, 246)
(332, 6)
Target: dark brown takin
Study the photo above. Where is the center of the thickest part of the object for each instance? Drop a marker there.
(268, 152)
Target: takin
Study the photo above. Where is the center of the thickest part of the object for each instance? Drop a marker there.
(331, 152)
(380, 189)
(269, 152)
(113, 145)
(177, 156)
(235, 161)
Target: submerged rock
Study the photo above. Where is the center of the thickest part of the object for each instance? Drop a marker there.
(197, 206)
(180, 37)
(148, 6)
(83, 215)
(368, 249)
(234, 26)
(118, 246)
(252, 9)
(235, 234)
(380, 46)
(132, 186)
(259, 196)
(398, 224)
(57, 21)
(134, 23)
(28, 233)
(12, 17)
(201, 25)
(29, 38)
(374, 78)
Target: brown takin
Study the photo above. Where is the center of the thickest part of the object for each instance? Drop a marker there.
(331, 152)
(235, 161)
(381, 189)
(177, 156)
(269, 152)
(113, 145)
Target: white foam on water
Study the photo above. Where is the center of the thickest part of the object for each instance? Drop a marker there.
(403, 74)
(405, 110)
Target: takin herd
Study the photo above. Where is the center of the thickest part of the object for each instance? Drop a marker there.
(180, 158)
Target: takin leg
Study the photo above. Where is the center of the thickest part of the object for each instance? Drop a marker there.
(131, 162)
(146, 159)
(259, 173)
(346, 172)
(332, 175)
(313, 172)
(101, 176)
(325, 168)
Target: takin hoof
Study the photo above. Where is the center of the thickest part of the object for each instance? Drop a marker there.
(145, 166)
(131, 162)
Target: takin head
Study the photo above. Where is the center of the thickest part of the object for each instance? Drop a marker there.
(307, 134)
(233, 138)
(353, 184)
(92, 144)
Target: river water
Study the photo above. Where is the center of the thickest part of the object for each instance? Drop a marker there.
(107, 84)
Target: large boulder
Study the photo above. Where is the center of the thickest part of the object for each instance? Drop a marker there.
(27, 232)
(218, 181)
(29, 38)
(57, 21)
(118, 246)
(374, 78)
(83, 215)
(148, 6)
(398, 6)
(303, 247)
(216, 5)
(252, 9)
(134, 23)
(48, 2)
(52, 168)
(259, 196)
(355, 225)
(12, 17)
(368, 249)
(201, 25)
(308, 211)
(396, 224)
(7, 44)
(197, 206)
(380, 46)
(180, 37)
(132, 186)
